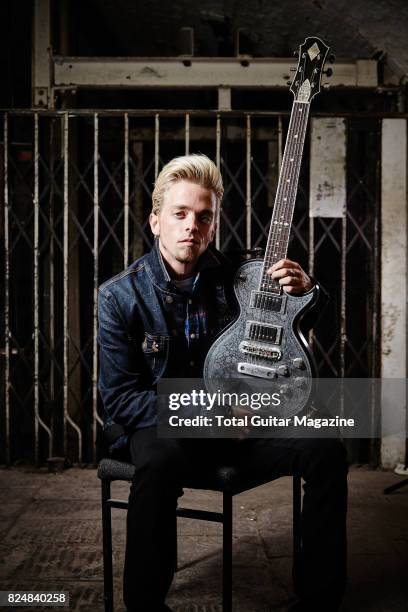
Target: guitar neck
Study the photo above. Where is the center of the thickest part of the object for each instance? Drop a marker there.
(279, 231)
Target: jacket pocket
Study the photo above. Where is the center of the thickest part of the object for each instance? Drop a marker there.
(156, 352)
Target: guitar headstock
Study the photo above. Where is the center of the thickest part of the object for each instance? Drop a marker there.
(312, 56)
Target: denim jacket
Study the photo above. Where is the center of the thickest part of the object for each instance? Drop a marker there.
(139, 342)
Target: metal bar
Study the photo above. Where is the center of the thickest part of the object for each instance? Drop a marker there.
(65, 259)
(248, 183)
(41, 75)
(376, 342)
(343, 322)
(126, 195)
(202, 515)
(156, 144)
(52, 280)
(37, 419)
(165, 112)
(201, 72)
(311, 262)
(96, 418)
(7, 382)
(67, 417)
(187, 133)
(227, 553)
(218, 163)
(107, 546)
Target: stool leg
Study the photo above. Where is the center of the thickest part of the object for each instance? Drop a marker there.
(396, 486)
(227, 553)
(297, 509)
(107, 546)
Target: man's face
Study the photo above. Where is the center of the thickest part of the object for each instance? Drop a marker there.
(185, 225)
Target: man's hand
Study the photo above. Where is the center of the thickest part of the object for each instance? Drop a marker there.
(291, 276)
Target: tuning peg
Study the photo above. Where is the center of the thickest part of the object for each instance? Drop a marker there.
(332, 58)
(326, 85)
(293, 69)
(328, 72)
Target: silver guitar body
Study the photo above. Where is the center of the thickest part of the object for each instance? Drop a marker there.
(263, 350)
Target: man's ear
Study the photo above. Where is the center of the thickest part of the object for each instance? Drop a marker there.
(154, 224)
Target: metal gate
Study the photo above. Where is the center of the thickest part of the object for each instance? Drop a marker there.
(75, 196)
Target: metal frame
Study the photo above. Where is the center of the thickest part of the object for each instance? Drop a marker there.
(53, 227)
(224, 517)
(61, 73)
(198, 72)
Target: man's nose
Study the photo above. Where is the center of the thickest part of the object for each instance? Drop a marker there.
(192, 223)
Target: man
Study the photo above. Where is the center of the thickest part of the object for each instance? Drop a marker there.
(158, 319)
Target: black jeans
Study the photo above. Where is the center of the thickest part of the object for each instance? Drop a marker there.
(164, 465)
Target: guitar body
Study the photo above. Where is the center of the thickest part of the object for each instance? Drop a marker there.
(264, 347)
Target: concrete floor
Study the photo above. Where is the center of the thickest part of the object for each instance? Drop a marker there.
(50, 539)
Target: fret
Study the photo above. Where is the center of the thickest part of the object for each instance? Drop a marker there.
(279, 231)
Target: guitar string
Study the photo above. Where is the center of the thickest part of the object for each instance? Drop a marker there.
(274, 231)
(287, 188)
(283, 210)
(279, 211)
(286, 202)
(278, 216)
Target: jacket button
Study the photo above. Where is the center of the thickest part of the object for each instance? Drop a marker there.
(169, 299)
(192, 336)
(190, 301)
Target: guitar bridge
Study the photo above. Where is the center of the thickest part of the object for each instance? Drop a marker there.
(260, 350)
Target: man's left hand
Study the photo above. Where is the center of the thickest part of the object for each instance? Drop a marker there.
(291, 276)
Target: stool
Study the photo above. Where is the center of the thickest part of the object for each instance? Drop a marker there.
(225, 479)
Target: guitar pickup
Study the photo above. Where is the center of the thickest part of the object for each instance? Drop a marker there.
(263, 332)
(266, 301)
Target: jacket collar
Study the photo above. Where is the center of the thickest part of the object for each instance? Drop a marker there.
(157, 271)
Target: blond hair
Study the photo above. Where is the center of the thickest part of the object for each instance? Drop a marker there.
(196, 168)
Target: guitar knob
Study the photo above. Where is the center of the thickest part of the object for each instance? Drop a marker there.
(299, 363)
(283, 370)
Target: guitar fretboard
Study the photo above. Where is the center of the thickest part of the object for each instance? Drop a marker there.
(279, 231)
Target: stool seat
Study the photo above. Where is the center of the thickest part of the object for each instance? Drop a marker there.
(224, 478)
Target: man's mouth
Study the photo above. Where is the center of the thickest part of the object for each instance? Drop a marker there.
(188, 241)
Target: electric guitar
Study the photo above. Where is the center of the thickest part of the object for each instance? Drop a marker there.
(264, 349)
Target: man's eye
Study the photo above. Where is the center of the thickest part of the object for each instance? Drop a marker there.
(179, 214)
(206, 219)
